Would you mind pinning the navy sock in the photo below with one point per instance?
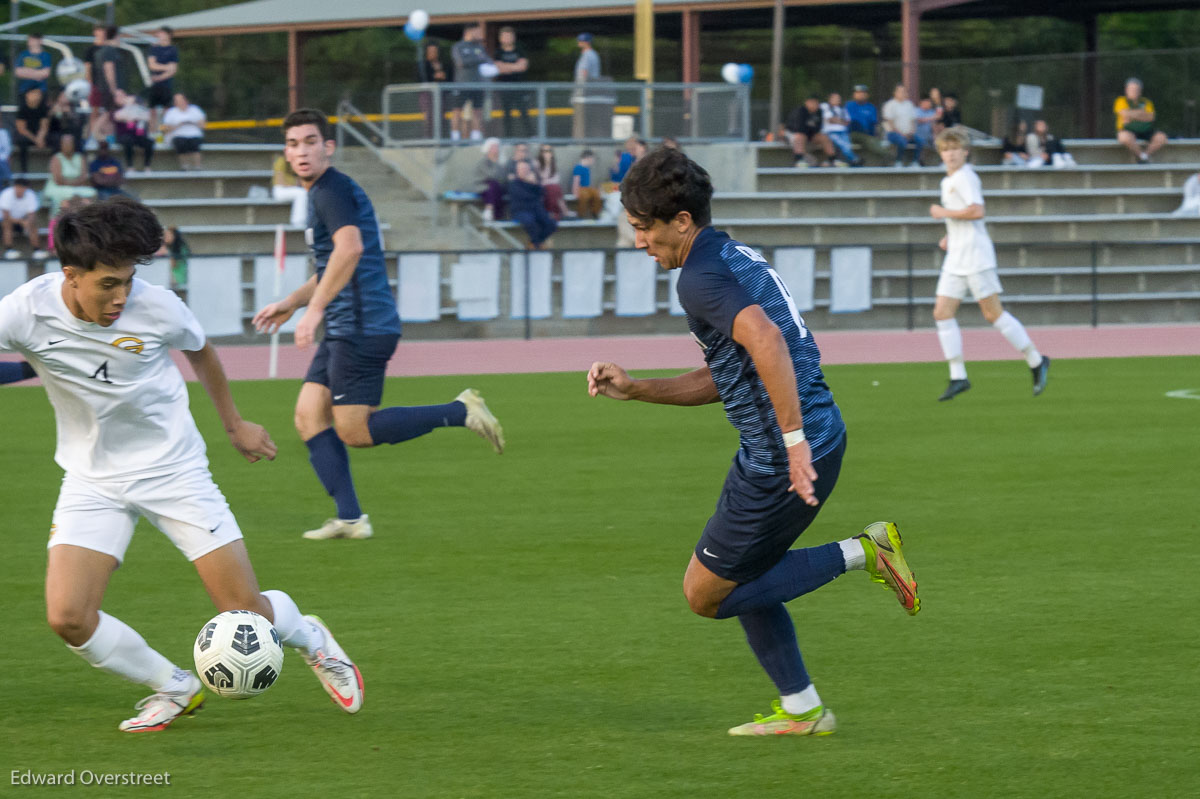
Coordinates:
(329, 460)
(772, 636)
(393, 425)
(12, 371)
(797, 573)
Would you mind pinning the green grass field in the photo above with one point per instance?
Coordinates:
(522, 632)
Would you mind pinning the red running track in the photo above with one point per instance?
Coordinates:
(493, 356)
(503, 356)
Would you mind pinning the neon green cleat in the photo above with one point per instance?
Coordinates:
(886, 564)
(818, 721)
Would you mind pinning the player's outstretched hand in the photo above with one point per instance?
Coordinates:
(609, 380)
(802, 472)
(937, 211)
(272, 317)
(253, 441)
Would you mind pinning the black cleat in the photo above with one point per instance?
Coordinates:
(1040, 372)
(955, 388)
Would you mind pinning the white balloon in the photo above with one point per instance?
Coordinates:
(488, 70)
(419, 20)
(731, 73)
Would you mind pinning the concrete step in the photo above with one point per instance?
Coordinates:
(214, 157)
(992, 177)
(1085, 152)
(900, 230)
(890, 203)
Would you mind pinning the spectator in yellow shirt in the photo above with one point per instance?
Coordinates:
(1135, 122)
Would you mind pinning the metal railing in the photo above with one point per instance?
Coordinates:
(424, 113)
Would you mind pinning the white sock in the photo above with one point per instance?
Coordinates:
(117, 648)
(853, 553)
(293, 630)
(950, 338)
(1014, 331)
(802, 702)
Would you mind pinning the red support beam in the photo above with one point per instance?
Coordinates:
(690, 45)
(910, 26)
(295, 69)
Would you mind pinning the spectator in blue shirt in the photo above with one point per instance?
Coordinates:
(33, 66)
(864, 124)
(587, 196)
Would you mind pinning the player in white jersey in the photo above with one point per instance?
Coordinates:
(99, 338)
(970, 265)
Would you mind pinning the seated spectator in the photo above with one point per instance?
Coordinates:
(900, 125)
(951, 111)
(1014, 145)
(132, 123)
(520, 152)
(937, 103)
(527, 199)
(489, 181)
(5, 153)
(670, 143)
(105, 172)
(1135, 122)
(927, 120)
(64, 120)
(183, 125)
(864, 123)
(68, 177)
(803, 130)
(835, 124)
(634, 149)
(18, 208)
(1191, 198)
(1043, 148)
(547, 171)
(285, 185)
(587, 195)
(32, 124)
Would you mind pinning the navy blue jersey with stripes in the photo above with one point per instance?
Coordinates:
(719, 279)
(365, 305)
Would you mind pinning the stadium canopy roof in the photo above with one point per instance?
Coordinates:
(300, 17)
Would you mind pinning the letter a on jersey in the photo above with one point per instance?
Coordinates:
(101, 373)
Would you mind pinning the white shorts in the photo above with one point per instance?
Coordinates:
(186, 506)
(981, 284)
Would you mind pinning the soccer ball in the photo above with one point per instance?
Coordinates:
(78, 90)
(238, 654)
(69, 69)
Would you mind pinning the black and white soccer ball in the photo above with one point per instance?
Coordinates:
(69, 69)
(238, 654)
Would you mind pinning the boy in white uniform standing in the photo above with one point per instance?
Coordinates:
(100, 338)
(970, 265)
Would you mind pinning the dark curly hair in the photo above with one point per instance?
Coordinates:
(663, 183)
(116, 232)
(307, 116)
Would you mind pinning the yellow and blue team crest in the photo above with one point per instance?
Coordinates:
(130, 344)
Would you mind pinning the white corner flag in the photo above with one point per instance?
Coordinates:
(280, 258)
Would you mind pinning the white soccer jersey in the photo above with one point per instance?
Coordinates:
(969, 249)
(120, 402)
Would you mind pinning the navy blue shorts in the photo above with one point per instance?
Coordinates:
(353, 368)
(757, 519)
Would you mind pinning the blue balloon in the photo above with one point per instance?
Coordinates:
(745, 73)
(413, 33)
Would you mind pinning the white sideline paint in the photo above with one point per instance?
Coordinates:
(1185, 393)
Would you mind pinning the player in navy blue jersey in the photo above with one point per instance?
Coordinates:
(339, 401)
(761, 362)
